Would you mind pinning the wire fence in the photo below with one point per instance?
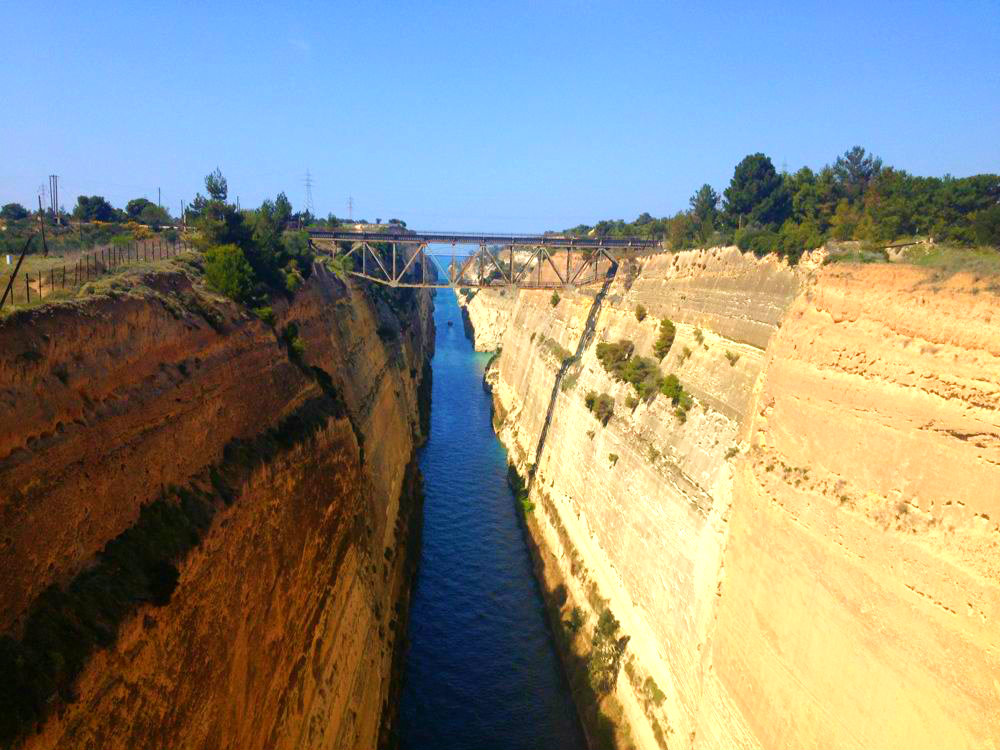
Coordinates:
(35, 284)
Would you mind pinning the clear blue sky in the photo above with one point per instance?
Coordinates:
(492, 116)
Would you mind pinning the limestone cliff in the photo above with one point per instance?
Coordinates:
(257, 481)
(808, 557)
(491, 311)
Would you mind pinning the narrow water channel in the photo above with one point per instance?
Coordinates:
(481, 670)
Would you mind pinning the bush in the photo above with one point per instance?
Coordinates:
(228, 272)
(613, 458)
(671, 388)
(293, 343)
(575, 621)
(666, 339)
(554, 299)
(732, 357)
(640, 372)
(602, 406)
(606, 654)
(640, 313)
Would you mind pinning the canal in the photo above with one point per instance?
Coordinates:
(481, 670)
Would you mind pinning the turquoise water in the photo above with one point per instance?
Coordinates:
(481, 670)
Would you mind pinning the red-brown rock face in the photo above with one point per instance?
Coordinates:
(285, 620)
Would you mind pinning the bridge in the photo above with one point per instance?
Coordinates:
(400, 258)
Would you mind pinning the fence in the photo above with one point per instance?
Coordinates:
(76, 271)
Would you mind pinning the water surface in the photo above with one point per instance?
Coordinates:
(481, 671)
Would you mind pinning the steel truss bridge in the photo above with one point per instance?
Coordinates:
(542, 261)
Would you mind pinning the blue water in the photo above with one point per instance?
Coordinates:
(481, 670)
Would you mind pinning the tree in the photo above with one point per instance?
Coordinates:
(705, 205)
(987, 226)
(855, 170)
(282, 210)
(216, 186)
(153, 216)
(757, 193)
(606, 653)
(135, 207)
(13, 212)
(93, 208)
(228, 272)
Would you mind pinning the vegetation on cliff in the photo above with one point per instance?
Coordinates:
(619, 360)
(601, 405)
(855, 198)
(249, 254)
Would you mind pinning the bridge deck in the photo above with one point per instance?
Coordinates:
(476, 238)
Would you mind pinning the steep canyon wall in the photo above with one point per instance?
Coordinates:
(809, 558)
(269, 471)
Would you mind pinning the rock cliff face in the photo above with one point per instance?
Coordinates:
(810, 557)
(289, 455)
(491, 311)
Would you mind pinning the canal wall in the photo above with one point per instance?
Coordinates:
(807, 555)
(210, 522)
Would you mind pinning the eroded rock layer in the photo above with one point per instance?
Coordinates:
(284, 625)
(808, 557)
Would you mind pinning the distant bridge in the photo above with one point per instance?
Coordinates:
(401, 258)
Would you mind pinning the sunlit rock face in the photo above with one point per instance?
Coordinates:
(284, 627)
(810, 557)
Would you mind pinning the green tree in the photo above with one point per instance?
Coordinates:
(228, 272)
(855, 170)
(135, 207)
(93, 208)
(154, 216)
(987, 226)
(757, 194)
(282, 210)
(606, 653)
(216, 186)
(705, 205)
(845, 221)
(13, 212)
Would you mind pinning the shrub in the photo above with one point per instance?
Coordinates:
(602, 406)
(699, 336)
(662, 345)
(606, 654)
(293, 343)
(229, 273)
(265, 313)
(554, 299)
(653, 692)
(640, 313)
(640, 372)
(733, 358)
(520, 490)
(614, 356)
(575, 621)
(631, 402)
(671, 388)
(613, 458)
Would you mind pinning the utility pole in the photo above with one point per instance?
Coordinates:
(158, 204)
(54, 196)
(350, 208)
